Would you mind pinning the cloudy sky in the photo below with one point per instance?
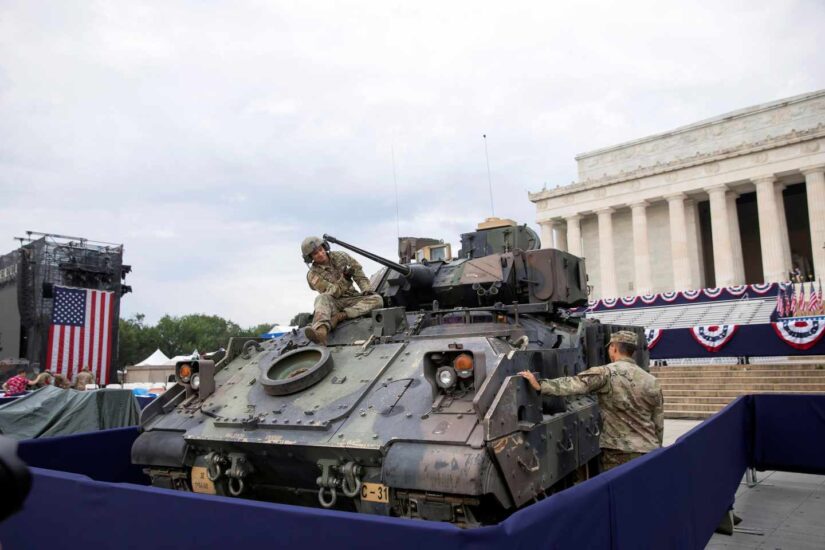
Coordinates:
(210, 137)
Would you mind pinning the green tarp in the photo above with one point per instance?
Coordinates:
(52, 411)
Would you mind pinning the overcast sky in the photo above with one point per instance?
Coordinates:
(211, 137)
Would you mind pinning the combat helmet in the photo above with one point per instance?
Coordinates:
(309, 245)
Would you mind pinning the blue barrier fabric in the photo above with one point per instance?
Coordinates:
(91, 514)
(671, 498)
(789, 433)
(144, 400)
(578, 517)
(749, 341)
(103, 455)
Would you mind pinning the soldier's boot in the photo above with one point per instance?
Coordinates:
(317, 336)
(337, 318)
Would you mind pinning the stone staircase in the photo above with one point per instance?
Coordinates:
(699, 391)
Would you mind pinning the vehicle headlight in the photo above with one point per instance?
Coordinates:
(445, 377)
(185, 372)
(195, 381)
(463, 365)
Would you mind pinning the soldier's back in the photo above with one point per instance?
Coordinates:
(628, 404)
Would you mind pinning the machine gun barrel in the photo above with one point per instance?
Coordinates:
(389, 264)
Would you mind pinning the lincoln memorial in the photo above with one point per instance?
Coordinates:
(736, 199)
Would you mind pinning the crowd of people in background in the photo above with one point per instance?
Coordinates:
(20, 382)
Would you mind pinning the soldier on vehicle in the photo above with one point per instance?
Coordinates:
(332, 275)
(630, 400)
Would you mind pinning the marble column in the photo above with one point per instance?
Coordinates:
(641, 249)
(773, 267)
(561, 236)
(547, 234)
(607, 263)
(735, 239)
(574, 235)
(694, 241)
(678, 241)
(815, 189)
(720, 230)
(784, 238)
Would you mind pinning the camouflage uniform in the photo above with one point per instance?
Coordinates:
(333, 281)
(83, 377)
(631, 403)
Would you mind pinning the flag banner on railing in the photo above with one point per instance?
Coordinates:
(800, 333)
(652, 336)
(713, 337)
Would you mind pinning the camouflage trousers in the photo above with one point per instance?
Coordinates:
(612, 458)
(354, 306)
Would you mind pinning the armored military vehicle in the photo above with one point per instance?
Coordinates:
(413, 411)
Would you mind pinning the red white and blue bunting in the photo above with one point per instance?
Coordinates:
(653, 335)
(713, 337)
(629, 300)
(800, 333)
(713, 293)
(739, 290)
(687, 296)
(764, 288)
(691, 294)
(648, 298)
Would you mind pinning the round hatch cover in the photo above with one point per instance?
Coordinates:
(295, 371)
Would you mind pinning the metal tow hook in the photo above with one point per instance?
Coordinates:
(237, 472)
(328, 483)
(213, 466)
(246, 350)
(565, 445)
(593, 429)
(526, 467)
(351, 483)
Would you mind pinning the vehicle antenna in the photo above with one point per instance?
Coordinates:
(489, 178)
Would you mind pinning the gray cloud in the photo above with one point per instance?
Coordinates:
(211, 137)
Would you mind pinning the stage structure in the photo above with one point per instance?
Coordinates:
(733, 200)
(60, 303)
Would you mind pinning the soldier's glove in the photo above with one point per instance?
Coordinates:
(349, 271)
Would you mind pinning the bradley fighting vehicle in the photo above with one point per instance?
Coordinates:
(411, 411)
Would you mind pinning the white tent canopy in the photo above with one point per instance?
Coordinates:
(174, 360)
(154, 360)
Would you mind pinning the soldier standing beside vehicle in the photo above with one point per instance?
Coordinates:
(332, 275)
(630, 400)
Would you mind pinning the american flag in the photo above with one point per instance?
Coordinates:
(816, 299)
(780, 301)
(81, 332)
(790, 308)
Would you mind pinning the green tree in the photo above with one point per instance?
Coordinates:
(177, 335)
(136, 340)
(257, 330)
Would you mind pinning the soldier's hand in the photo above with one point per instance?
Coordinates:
(349, 271)
(531, 378)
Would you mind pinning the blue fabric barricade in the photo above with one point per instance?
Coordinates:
(671, 498)
(103, 455)
(789, 433)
